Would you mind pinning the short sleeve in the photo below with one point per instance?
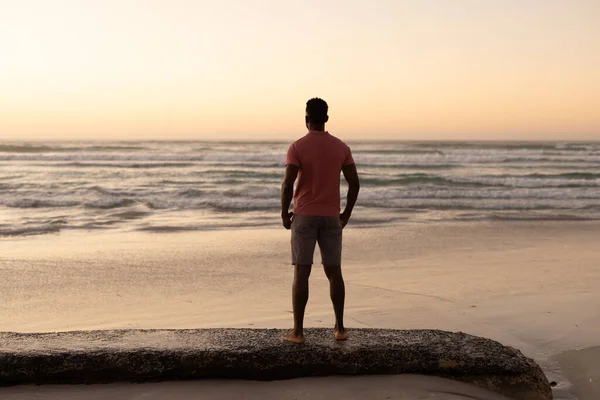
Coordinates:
(348, 160)
(292, 156)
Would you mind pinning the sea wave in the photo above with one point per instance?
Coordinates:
(193, 193)
(538, 217)
(110, 203)
(527, 180)
(128, 159)
(412, 166)
(235, 173)
(126, 165)
(566, 146)
(175, 184)
(445, 204)
(472, 159)
(381, 194)
(256, 196)
(39, 203)
(29, 231)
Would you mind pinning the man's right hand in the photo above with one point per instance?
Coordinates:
(287, 220)
(344, 217)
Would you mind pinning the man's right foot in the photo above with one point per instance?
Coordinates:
(292, 337)
(340, 334)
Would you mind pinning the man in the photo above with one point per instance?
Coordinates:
(316, 160)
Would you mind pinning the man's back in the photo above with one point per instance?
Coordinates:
(320, 158)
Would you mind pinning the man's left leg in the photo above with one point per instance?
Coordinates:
(299, 300)
(304, 239)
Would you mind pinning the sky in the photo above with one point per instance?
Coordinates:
(244, 69)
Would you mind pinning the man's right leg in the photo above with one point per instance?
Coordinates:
(330, 242)
(337, 291)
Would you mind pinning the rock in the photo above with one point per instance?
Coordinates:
(260, 354)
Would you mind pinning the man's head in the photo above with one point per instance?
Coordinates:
(316, 113)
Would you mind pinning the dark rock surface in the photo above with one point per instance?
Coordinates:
(260, 354)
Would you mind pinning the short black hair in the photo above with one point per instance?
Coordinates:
(316, 110)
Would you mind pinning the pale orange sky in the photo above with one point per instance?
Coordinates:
(243, 69)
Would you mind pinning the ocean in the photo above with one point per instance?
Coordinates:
(160, 186)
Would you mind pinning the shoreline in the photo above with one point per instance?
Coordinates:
(374, 222)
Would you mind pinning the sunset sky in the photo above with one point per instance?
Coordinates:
(243, 69)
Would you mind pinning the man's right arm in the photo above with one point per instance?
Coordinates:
(351, 176)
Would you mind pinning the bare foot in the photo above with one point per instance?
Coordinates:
(340, 335)
(293, 338)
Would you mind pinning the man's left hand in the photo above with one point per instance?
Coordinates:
(287, 220)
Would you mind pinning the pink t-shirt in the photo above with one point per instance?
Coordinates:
(320, 157)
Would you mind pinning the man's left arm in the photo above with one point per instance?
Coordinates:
(287, 193)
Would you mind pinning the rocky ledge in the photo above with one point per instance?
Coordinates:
(261, 354)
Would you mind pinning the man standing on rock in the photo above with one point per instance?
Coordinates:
(317, 160)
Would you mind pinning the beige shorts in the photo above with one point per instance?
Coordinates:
(309, 230)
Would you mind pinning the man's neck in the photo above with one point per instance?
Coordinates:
(316, 127)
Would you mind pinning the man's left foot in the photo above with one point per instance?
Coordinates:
(292, 337)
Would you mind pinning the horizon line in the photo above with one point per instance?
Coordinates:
(36, 140)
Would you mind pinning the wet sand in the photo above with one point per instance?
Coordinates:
(531, 285)
(582, 369)
(399, 387)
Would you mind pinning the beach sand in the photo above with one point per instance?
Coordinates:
(399, 387)
(582, 368)
(531, 285)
